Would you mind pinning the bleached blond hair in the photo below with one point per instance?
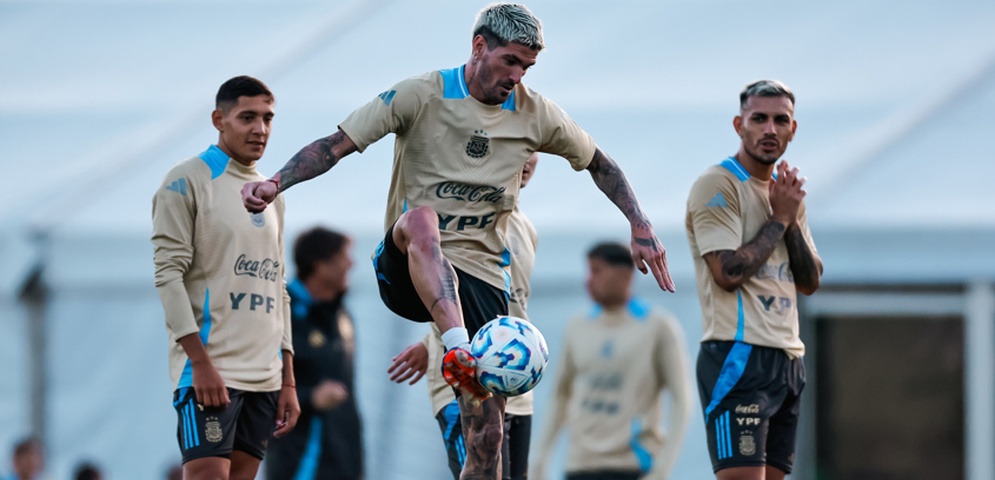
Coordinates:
(503, 23)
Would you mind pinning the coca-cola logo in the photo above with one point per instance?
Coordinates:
(740, 409)
(265, 269)
(469, 193)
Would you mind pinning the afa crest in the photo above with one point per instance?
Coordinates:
(747, 445)
(478, 145)
(212, 430)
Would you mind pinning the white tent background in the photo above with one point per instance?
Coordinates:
(99, 98)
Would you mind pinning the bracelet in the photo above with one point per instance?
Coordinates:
(291, 386)
(275, 182)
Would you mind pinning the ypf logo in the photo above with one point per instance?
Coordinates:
(478, 144)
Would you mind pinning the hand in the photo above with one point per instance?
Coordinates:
(647, 248)
(208, 386)
(328, 395)
(412, 362)
(257, 195)
(786, 194)
(288, 410)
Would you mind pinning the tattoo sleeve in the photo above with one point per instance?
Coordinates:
(745, 261)
(311, 161)
(806, 267)
(610, 180)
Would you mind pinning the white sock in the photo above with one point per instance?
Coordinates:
(456, 337)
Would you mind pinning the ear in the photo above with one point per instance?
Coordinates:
(737, 123)
(216, 117)
(478, 46)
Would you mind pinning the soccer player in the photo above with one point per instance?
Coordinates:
(614, 365)
(413, 362)
(752, 249)
(219, 272)
(462, 136)
(328, 443)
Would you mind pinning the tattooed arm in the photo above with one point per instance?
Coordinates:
(731, 268)
(645, 246)
(313, 160)
(806, 266)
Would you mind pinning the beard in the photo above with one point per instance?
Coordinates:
(764, 158)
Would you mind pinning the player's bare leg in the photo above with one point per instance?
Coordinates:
(743, 473)
(243, 466)
(483, 433)
(774, 473)
(416, 234)
(208, 468)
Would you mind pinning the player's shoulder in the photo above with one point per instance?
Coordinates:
(716, 177)
(206, 166)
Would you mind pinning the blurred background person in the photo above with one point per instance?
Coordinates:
(28, 460)
(328, 442)
(614, 364)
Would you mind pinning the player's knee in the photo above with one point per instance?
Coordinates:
(419, 228)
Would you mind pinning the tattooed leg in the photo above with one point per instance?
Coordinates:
(416, 233)
(483, 433)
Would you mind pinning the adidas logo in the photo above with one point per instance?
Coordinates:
(387, 96)
(178, 186)
(717, 201)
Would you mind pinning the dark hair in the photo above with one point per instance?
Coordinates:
(316, 245)
(87, 471)
(240, 86)
(612, 253)
(765, 88)
(26, 445)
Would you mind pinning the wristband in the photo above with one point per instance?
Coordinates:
(275, 182)
(291, 386)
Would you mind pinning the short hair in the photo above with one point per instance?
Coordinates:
(27, 445)
(502, 23)
(612, 253)
(316, 245)
(240, 86)
(765, 88)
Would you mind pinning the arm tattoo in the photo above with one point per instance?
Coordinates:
(311, 161)
(805, 266)
(610, 179)
(746, 260)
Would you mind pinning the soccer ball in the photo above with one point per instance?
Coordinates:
(511, 355)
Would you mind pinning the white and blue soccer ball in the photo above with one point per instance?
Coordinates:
(511, 355)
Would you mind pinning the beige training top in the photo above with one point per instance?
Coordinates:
(726, 208)
(464, 159)
(219, 272)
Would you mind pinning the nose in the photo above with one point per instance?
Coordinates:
(260, 127)
(516, 75)
(769, 128)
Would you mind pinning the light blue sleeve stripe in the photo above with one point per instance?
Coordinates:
(308, 468)
(740, 317)
(642, 454)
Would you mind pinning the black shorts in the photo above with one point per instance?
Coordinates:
(481, 302)
(244, 425)
(514, 448)
(751, 398)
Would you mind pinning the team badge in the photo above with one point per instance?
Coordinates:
(212, 430)
(316, 339)
(258, 219)
(478, 144)
(747, 446)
